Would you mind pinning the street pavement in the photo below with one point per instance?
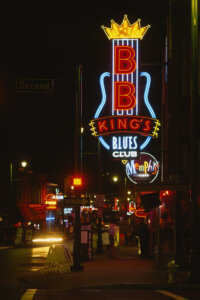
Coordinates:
(127, 276)
(99, 294)
(127, 270)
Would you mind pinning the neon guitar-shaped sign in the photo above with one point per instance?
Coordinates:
(125, 132)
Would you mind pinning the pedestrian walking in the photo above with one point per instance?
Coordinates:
(112, 240)
(143, 234)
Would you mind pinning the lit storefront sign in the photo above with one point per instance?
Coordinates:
(131, 207)
(37, 207)
(119, 122)
(116, 205)
(68, 210)
(141, 213)
(50, 202)
(58, 197)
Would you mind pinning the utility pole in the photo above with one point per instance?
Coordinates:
(194, 274)
(11, 191)
(78, 171)
(125, 197)
(99, 249)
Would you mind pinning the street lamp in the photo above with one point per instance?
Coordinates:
(115, 178)
(24, 164)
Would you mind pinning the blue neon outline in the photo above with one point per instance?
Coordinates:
(104, 143)
(103, 101)
(146, 101)
(146, 93)
(145, 143)
(103, 92)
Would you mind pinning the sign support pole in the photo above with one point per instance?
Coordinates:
(99, 240)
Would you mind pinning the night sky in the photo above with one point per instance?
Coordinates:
(50, 42)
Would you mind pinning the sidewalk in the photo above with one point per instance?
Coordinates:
(5, 247)
(127, 270)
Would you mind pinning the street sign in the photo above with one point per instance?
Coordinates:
(100, 213)
(77, 201)
(34, 85)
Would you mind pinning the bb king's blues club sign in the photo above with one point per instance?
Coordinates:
(125, 121)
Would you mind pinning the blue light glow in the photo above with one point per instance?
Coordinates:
(50, 218)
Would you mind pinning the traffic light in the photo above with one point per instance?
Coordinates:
(77, 185)
(73, 185)
(77, 182)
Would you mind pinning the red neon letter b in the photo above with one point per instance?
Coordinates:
(124, 97)
(124, 60)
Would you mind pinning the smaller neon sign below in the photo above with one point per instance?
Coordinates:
(143, 169)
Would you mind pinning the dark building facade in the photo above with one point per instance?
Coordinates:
(180, 135)
(174, 225)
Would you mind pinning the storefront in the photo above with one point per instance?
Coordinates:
(168, 223)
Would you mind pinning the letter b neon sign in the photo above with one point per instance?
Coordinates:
(124, 90)
(124, 60)
(124, 95)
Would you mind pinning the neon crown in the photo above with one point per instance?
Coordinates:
(125, 30)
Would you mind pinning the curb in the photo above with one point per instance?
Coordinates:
(124, 286)
(143, 286)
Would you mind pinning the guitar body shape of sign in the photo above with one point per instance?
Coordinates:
(122, 129)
